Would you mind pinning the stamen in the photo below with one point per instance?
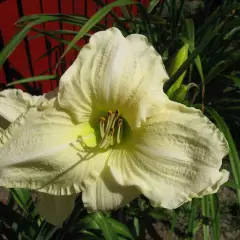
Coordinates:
(107, 130)
(115, 117)
(109, 120)
(112, 136)
(120, 130)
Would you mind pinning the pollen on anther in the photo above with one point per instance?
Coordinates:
(110, 129)
(102, 119)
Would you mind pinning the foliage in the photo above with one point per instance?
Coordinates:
(207, 77)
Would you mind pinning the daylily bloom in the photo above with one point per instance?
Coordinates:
(109, 132)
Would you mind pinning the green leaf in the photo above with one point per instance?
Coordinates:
(218, 13)
(234, 78)
(197, 60)
(193, 55)
(71, 19)
(193, 216)
(61, 40)
(215, 215)
(98, 16)
(179, 95)
(232, 32)
(206, 215)
(220, 67)
(176, 63)
(46, 231)
(87, 223)
(61, 32)
(117, 22)
(87, 235)
(22, 197)
(190, 31)
(231, 185)
(48, 53)
(107, 229)
(233, 154)
(173, 224)
(39, 19)
(33, 79)
(161, 213)
(146, 23)
(109, 226)
(129, 17)
(120, 228)
(136, 225)
(152, 5)
(126, 12)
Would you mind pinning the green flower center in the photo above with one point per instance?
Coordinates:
(111, 129)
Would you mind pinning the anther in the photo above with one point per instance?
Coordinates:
(109, 113)
(107, 129)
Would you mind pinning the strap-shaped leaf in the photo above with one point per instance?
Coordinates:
(233, 154)
(33, 79)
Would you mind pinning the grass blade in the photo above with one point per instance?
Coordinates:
(45, 33)
(193, 55)
(231, 185)
(215, 215)
(120, 228)
(192, 219)
(152, 5)
(33, 79)
(176, 63)
(205, 215)
(104, 225)
(233, 154)
(22, 197)
(71, 19)
(217, 14)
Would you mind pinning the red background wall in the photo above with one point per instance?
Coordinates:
(24, 62)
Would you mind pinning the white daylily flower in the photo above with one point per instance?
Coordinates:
(110, 132)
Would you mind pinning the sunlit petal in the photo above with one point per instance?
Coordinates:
(46, 151)
(14, 102)
(173, 157)
(113, 72)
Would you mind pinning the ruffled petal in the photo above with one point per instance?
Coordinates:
(55, 209)
(46, 151)
(106, 194)
(173, 157)
(14, 102)
(113, 72)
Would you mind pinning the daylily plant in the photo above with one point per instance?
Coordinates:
(110, 132)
